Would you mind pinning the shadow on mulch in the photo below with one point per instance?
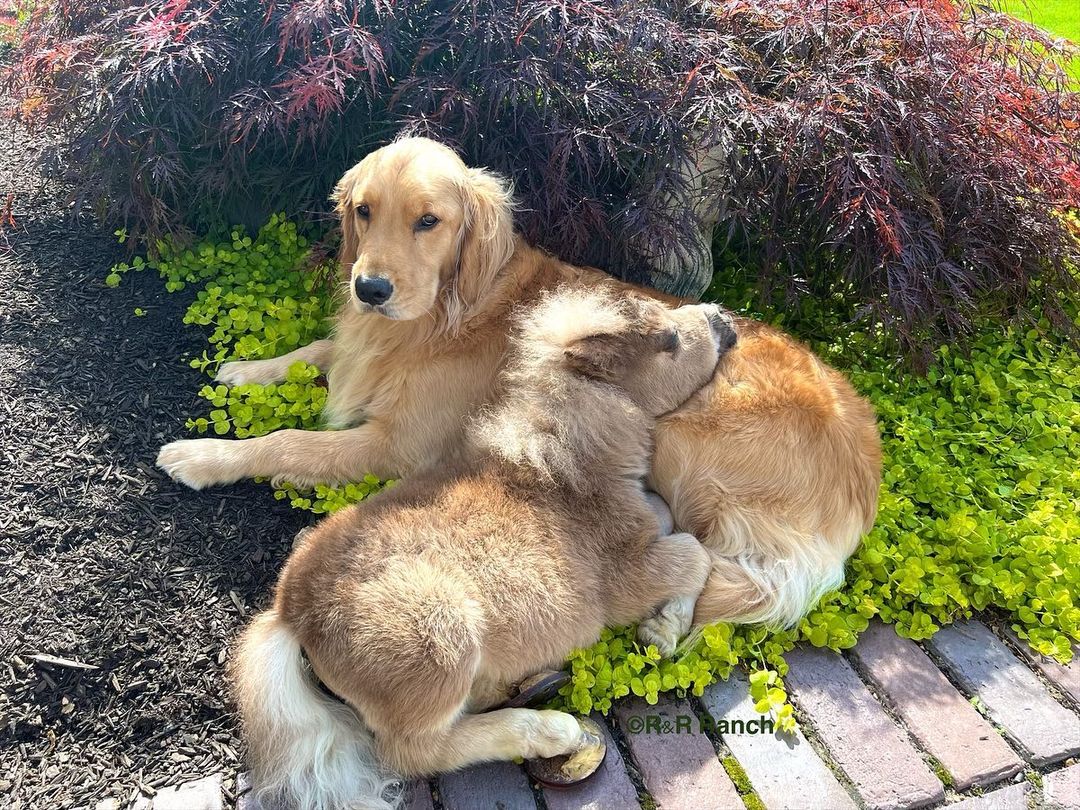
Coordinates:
(103, 560)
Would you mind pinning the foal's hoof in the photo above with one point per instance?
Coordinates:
(537, 689)
(569, 769)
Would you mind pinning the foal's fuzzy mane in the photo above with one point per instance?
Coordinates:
(555, 424)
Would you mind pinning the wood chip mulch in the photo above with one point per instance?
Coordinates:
(120, 591)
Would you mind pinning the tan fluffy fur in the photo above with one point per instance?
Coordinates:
(422, 606)
(775, 467)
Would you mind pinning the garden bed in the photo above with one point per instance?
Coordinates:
(114, 568)
(103, 560)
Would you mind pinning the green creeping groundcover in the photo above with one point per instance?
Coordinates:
(980, 503)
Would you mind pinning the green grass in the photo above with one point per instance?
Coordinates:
(1060, 17)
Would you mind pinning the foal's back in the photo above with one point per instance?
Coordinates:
(533, 563)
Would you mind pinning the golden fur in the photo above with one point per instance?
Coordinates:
(422, 606)
(775, 467)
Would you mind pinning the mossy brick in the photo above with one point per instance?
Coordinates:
(784, 770)
(677, 762)
(1065, 677)
(1013, 696)
(1061, 789)
(871, 750)
(491, 786)
(417, 796)
(935, 713)
(1013, 797)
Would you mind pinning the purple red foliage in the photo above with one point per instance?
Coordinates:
(922, 156)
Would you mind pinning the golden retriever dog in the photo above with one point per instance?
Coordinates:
(421, 606)
(774, 466)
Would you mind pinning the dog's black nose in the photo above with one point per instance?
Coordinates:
(723, 327)
(373, 291)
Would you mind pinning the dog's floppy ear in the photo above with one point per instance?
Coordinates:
(601, 357)
(342, 197)
(487, 239)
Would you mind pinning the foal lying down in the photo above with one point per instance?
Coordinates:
(421, 607)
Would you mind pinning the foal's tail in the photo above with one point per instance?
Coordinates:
(307, 750)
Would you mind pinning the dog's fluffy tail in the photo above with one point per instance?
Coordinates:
(307, 750)
(778, 592)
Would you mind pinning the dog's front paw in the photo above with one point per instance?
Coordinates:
(240, 372)
(668, 625)
(298, 481)
(199, 463)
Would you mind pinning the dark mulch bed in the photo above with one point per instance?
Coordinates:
(103, 559)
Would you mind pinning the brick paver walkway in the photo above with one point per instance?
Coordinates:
(970, 720)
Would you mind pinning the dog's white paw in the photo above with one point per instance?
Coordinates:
(199, 463)
(668, 625)
(240, 372)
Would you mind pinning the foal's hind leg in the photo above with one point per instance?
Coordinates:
(676, 569)
(486, 693)
(503, 734)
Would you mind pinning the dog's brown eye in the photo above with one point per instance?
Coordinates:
(427, 221)
(670, 341)
(363, 211)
